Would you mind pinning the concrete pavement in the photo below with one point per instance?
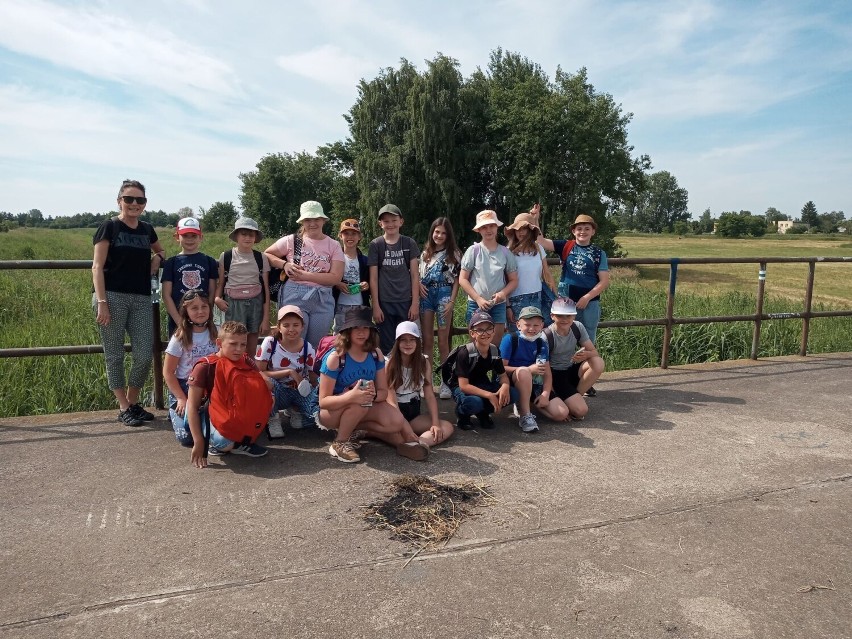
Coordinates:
(700, 501)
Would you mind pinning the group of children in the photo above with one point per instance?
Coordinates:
(370, 378)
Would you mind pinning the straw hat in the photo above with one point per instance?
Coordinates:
(522, 220)
(585, 219)
(486, 217)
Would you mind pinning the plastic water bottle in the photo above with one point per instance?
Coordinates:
(155, 289)
(539, 379)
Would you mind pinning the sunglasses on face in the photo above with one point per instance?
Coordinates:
(130, 199)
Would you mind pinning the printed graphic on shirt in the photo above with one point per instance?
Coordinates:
(315, 262)
(132, 240)
(352, 273)
(394, 257)
(190, 279)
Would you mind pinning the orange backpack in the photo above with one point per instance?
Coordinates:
(239, 400)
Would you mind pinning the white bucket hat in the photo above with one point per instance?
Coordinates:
(311, 210)
(483, 218)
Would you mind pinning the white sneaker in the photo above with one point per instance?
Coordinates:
(276, 431)
(296, 420)
(529, 423)
(445, 392)
(515, 410)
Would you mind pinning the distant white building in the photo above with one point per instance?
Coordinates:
(784, 225)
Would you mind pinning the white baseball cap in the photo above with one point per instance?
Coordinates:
(408, 328)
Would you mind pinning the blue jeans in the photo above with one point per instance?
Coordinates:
(473, 404)
(590, 317)
(286, 397)
(179, 423)
(497, 312)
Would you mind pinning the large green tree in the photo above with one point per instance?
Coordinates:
(810, 215)
(219, 217)
(659, 205)
(507, 137)
(273, 192)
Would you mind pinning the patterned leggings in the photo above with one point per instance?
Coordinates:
(130, 313)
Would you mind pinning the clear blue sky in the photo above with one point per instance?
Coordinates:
(747, 103)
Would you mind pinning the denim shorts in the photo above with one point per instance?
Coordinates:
(497, 312)
(436, 300)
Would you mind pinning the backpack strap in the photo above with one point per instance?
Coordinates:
(297, 248)
(515, 339)
(229, 256)
(566, 250)
(305, 369)
(576, 330)
(551, 340)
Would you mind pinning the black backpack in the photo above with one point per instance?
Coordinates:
(448, 366)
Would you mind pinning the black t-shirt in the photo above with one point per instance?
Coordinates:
(128, 263)
(478, 375)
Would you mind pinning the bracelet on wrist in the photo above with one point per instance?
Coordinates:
(102, 301)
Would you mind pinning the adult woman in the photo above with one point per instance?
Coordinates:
(121, 273)
(313, 263)
(532, 268)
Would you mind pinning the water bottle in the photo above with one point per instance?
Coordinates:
(539, 379)
(155, 290)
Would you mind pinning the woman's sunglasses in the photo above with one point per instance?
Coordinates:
(129, 199)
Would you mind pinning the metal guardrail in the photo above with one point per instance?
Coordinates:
(668, 321)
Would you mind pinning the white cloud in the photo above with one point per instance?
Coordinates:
(118, 49)
(330, 65)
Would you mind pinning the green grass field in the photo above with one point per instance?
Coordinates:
(53, 308)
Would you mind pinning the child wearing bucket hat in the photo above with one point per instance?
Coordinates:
(489, 273)
(353, 392)
(288, 359)
(585, 272)
(242, 290)
(313, 264)
(533, 272)
(409, 372)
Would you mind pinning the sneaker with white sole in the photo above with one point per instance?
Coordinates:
(274, 427)
(215, 452)
(529, 423)
(344, 451)
(444, 392)
(413, 450)
(249, 450)
(296, 420)
(515, 410)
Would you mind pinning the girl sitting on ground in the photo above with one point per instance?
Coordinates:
(287, 359)
(194, 338)
(409, 373)
(353, 392)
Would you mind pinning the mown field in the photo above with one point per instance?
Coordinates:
(53, 308)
